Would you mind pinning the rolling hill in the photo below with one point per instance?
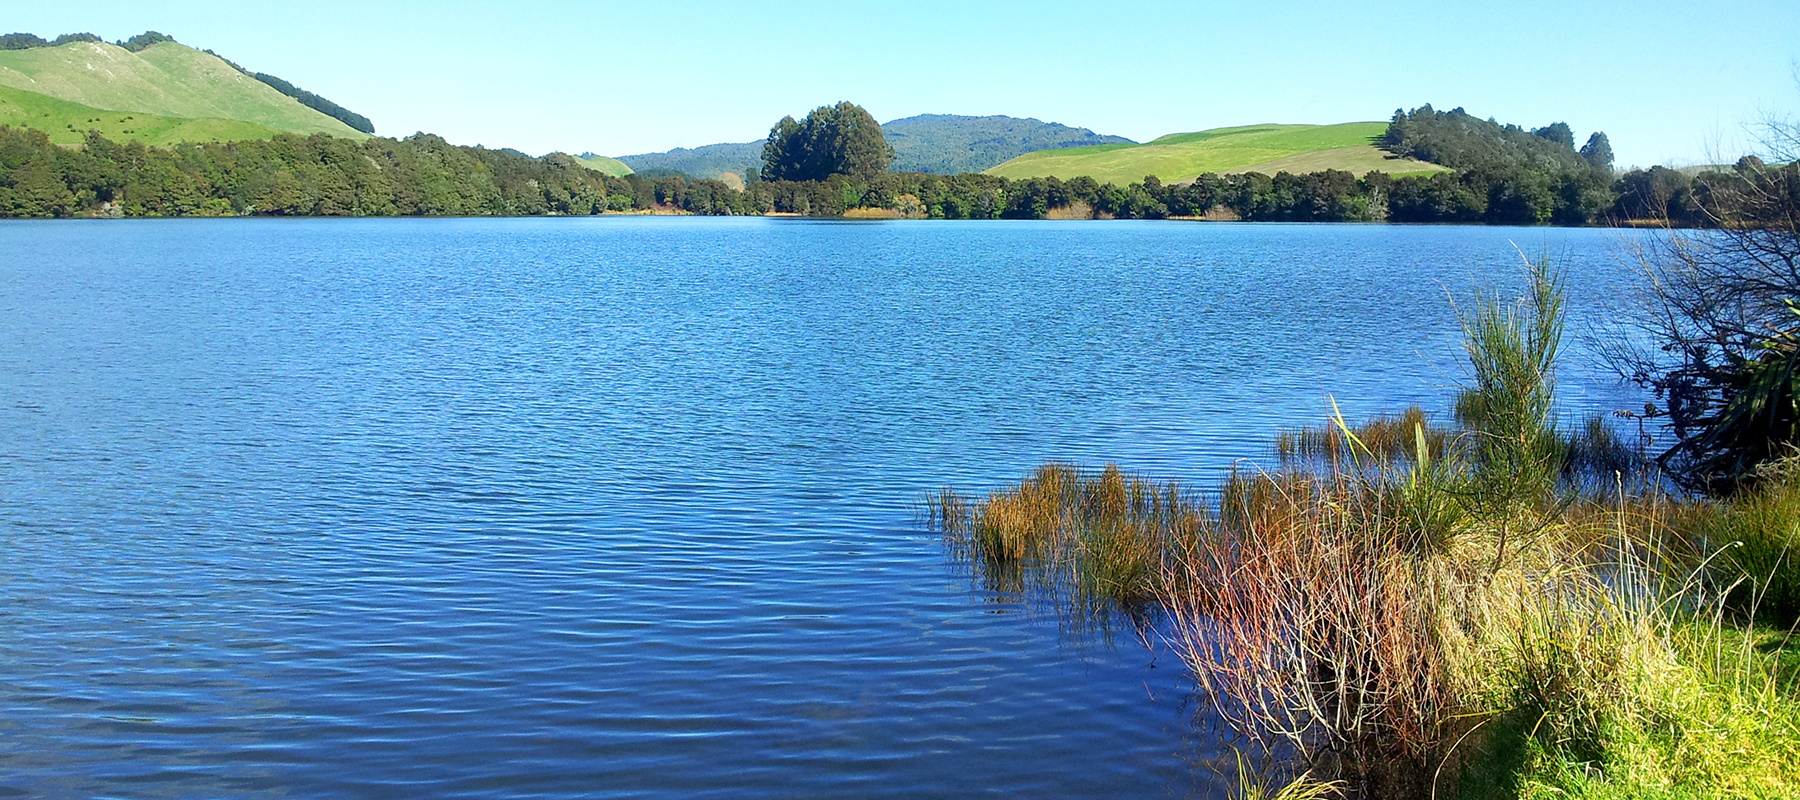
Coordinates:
(168, 80)
(68, 123)
(943, 144)
(1251, 148)
(603, 164)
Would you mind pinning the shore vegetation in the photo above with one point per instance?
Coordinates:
(1491, 605)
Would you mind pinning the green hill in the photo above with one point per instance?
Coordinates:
(1252, 148)
(166, 79)
(603, 164)
(68, 123)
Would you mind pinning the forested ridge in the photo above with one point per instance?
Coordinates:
(1504, 174)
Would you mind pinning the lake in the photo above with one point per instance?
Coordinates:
(628, 507)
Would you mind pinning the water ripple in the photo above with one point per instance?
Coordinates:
(625, 507)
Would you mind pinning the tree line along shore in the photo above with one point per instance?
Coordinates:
(834, 163)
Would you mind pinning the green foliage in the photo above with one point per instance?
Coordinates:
(1460, 141)
(145, 40)
(1756, 538)
(1717, 334)
(1325, 196)
(289, 175)
(1598, 152)
(1557, 133)
(27, 41)
(1657, 193)
(1704, 711)
(1504, 173)
(832, 140)
(1758, 416)
(1512, 350)
(22, 41)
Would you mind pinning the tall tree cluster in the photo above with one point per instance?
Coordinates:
(833, 140)
(1503, 173)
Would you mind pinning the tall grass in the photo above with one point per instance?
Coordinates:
(1093, 541)
(1758, 536)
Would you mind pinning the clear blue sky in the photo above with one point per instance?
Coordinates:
(1670, 82)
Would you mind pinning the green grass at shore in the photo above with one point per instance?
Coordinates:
(68, 123)
(1184, 156)
(167, 80)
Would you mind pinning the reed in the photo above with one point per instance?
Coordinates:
(1095, 541)
(1386, 437)
(1757, 535)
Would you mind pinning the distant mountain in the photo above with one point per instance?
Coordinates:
(944, 144)
(947, 144)
(708, 161)
(153, 75)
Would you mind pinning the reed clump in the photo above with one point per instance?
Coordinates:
(1384, 437)
(1491, 607)
(1093, 540)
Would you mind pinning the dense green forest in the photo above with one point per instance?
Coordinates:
(1504, 175)
(28, 41)
(293, 176)
(832, 140)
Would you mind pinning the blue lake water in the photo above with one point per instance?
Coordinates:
(627, 507)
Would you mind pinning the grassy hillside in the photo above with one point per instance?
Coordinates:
(603, 164)
(948, 144)
(167, 79)
(1358, 159)
(68, 123)
(1184, 156)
